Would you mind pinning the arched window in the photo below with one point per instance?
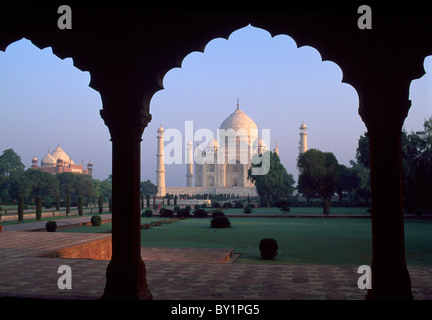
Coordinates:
(235, 182)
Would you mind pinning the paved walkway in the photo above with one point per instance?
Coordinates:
(176, 274)
(37, 278)
(61, 223)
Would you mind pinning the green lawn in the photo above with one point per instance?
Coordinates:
(301, 210)
(300, 240)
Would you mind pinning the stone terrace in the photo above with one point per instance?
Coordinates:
(29, 263)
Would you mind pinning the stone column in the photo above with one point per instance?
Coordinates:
(390, 278)
(387, 107)
(126, 272)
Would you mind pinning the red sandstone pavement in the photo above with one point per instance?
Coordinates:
(177, 274)
(37, 278)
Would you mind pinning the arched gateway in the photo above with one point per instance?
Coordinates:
(128, 51)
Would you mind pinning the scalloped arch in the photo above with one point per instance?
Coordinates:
(226, 35)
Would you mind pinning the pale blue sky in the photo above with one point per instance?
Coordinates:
(45, 101)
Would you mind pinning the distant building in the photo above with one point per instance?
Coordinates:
(59, 161)
(213, 176)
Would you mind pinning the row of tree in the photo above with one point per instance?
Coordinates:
(31, 183)
(321, 176)
(416, 154)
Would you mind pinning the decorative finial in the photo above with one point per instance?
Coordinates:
(237, 103)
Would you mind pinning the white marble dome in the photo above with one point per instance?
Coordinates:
(238, 120)
(48, 161)
(242, 124)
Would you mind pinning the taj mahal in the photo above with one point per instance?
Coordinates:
(221, 167)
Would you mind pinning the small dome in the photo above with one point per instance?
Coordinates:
(259, 145)
(213, 143)
(303, 126)
(48, 161)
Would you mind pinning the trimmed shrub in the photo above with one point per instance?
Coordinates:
(247, 209)
(197, 206)
(38, 207)
(227, 205)
(147, 213)
(268, 248)
(100, 203)
(216, 205)
(220, 222)
(283, 205)
(148, 200)
(80, 206)
(96, 221)
(218, 214)
(238, 205)
(51, 226)
(166, 213)
(68, 204)
(176, 209)
(183, 213)
(58, 200)
(188, 208)
(200, 213)
(20, 208)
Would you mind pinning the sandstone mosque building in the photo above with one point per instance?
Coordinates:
(59, 161)
(225, 169)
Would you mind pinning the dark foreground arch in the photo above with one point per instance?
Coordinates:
(128, 50)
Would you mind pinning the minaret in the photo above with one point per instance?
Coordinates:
(34, 163)
(276, 149)
(160, 170)
(189, 165)
(303, 139)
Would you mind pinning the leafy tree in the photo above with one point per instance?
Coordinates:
(319, 175)
(19, 184)
(42, 184)
(9, 162)
(75, 184)
(362, 152)
(348, 180)
(363, 188)
(102, 188)
(276, 183)
(147, 187)
(4, 189)
(417, 168)
(416, 156)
